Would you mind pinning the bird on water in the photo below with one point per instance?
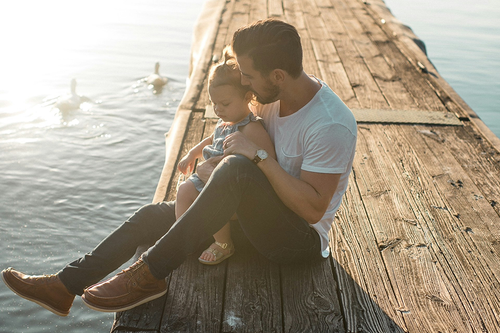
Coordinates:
(71, 101)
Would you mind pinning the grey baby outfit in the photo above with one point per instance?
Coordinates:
(215, 149)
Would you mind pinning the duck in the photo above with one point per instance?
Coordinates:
(71, 101)
(155, 79)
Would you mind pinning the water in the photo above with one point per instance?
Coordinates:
(69, 178)
(463, 42)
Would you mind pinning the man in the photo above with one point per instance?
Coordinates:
(285, 207)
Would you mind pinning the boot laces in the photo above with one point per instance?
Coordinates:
(135, 266)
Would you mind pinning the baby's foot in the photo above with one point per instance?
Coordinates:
(216, 253)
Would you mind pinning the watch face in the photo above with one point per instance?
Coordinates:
(262, 154)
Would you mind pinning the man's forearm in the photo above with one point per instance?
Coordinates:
(299, 195)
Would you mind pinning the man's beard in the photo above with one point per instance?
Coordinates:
(271, 92)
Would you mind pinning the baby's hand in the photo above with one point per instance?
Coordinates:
(186, 164)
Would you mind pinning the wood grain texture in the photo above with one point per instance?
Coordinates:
(411, 77)
(310, 299)
(385, 76)
(258, 10)
(191, 138)
(368, 299)
(362, 82)
(421, 287)
(253, 296)
(194, 302)
(146, 316)
(275, 9)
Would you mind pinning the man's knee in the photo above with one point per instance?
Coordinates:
(153, 213)
(235, 162)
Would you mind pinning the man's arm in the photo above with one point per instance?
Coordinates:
(308, 196)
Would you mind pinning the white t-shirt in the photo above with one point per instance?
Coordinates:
(320, 137)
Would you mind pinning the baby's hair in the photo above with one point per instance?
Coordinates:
(226, 72)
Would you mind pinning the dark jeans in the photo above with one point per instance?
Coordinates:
(236, 186)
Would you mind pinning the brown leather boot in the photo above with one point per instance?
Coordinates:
(45, 290)
(126, 290)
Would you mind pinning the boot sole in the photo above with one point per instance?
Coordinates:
(124, 307)
(34, 300)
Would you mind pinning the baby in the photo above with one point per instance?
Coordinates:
(230, 100)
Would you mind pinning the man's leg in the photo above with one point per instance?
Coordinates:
(56, 292)
(236, 186)
(145, 226)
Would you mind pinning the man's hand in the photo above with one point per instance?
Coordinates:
(204, 170)
(238, 143)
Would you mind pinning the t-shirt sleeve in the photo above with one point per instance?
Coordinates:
(329, 149)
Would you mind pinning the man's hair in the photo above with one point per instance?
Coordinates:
(271, 44)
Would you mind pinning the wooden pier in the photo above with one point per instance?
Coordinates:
(416, 243)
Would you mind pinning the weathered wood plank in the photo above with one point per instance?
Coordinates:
(411, 78)
(253, 298)
(322, 4)
(194, 301)
(414, 249)
(368, 300)
(333, 73)
(146, 316)
(320, 57)
(427, 302)
(191, 138)
(294, 16)
(477, 157)
(384, 75)
(258, 10)
(310, 299)
(235, 15)
(275, 9)
(240, 17)
(135, 331)
(471, 226)
(309, 7)
(365, 88)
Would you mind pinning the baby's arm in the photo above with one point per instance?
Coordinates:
(186, 164)
(258, 135)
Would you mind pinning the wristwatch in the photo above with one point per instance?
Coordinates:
(260, 155)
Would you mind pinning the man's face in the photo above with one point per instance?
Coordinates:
(264, 89)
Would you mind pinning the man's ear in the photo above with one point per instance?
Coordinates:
(278, 75)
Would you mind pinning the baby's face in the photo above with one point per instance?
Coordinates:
(228, 103)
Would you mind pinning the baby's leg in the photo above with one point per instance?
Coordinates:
(217, 253)
(224, 235)
(186, 195)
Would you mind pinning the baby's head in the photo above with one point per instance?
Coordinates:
(229, 97)
(226, 72)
